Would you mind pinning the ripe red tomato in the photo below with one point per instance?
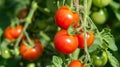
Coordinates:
(89, 39)
(31, 53)
(22, 13)
(64, 17)
(11, 33)
(65, 43)
(76, 63)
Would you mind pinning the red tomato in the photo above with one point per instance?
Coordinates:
(64, 17)
(89, 39)
(65, 43)
(11, 33)
(22, 13)
(76, 63)
(32, 53)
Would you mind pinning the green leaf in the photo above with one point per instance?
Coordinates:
(117, 14)
(1, 32)
(109, 39)
(113, 61)
(57, 61)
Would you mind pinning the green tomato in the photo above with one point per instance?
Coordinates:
(99, 17)
(31, 65)
(101, 3)
(99, 58)
(5, 53)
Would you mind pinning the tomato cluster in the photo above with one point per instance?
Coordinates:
(67, 43)
(29, 48)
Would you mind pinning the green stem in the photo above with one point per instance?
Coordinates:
(89, 4)
(58, 3)
(63, 2)
(84, 28)
(71, 4)
(76, 54)
(45, 36)
(29, 40)
(28, 21)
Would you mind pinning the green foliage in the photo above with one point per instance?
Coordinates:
(113, 61)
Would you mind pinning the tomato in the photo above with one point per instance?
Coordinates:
(5, 53)
(22, 13)
(99, 17)
(75, 63)
(11, 33)
(31, 65)
(64, 17)
(99, 58)
(89, 39)
(31, 53)
(101, 3)
(64, 42)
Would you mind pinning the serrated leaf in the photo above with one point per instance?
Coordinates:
(113, 61)
(57, 61)
(109, 39)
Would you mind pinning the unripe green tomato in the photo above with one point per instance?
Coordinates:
(99, 58)
(99, 17)
(101, 3)
(5, 53)
(31, 65)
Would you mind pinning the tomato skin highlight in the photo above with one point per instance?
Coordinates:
(32, 53)
(65, 43)
(89, 39)
(11, 33)
(76, 63)
(64, 17)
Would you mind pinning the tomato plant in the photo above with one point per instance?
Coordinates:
(76, 63)
(99, 58)
(101, 3)
(64, 17)
(65, 43)
(89, 39)
(11, 33)
(64, 28)
(31, 53)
